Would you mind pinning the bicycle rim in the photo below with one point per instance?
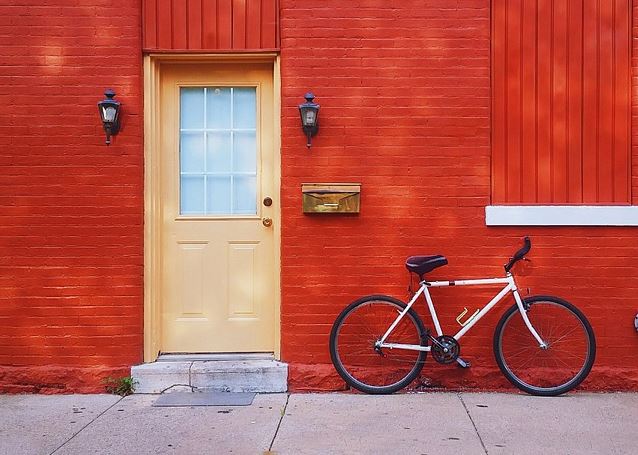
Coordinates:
(353, 345)
(563, 364)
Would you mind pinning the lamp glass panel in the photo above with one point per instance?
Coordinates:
(108, 114)
(310, 117)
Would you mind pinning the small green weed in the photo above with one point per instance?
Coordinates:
(120, 386)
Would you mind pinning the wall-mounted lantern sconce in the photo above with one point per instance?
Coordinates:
(110, 114)
(309, 112)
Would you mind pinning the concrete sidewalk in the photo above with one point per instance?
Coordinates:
(425, 423)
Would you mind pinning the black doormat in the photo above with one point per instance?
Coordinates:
(177, 399)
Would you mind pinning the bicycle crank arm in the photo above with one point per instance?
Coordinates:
(434, 341)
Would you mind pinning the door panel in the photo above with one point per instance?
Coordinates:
(218, 273)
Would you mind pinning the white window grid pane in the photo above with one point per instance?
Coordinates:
(232, 174)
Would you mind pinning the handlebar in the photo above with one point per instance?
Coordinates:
(520, 254)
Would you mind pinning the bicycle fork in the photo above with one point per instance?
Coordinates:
(523, 311)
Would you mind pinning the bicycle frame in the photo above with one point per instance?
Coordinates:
(510, 286)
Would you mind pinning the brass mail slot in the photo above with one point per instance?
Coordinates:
(331, 197)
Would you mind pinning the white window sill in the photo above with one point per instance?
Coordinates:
(561, 215)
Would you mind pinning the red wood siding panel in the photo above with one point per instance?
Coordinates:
(561, 102)
(150, 24)
(210, 25)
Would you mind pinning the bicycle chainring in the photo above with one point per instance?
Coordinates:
(447, 350)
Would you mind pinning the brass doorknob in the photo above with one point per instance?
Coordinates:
(267, 222)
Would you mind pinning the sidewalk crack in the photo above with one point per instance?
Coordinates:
(85, 426)
(190, 377)
(467, 411)
(283, 413)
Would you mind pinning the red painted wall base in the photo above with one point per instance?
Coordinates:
(51, 380)
(309, 377)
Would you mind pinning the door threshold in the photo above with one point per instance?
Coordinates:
(240, 372)
(206, 357)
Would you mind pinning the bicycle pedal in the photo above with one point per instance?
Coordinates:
(463, 363)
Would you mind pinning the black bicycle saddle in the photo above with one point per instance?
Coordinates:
(424, 264)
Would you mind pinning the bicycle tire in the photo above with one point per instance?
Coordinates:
(352, 339)
(545, 372)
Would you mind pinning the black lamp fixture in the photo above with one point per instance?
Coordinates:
(110, 114)
(309, 112)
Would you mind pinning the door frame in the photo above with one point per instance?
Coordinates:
(152, 186)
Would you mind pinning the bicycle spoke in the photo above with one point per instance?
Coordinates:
(554, 341)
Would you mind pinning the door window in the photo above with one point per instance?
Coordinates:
(218, 151)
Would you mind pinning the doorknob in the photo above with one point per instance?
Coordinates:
(267, 222)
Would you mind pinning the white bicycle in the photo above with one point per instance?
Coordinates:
(543, 345)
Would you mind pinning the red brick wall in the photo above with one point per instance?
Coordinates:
(71, 208)
(404, 89)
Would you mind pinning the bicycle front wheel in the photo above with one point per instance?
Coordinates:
(550, 371)
(352, 345)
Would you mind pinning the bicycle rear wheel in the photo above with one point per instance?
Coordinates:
(565, 362)
(352, 345)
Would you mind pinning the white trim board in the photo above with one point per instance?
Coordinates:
(561, 215)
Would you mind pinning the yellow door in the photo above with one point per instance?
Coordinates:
(219, 208)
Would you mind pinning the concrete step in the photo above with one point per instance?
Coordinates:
(223, 373)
